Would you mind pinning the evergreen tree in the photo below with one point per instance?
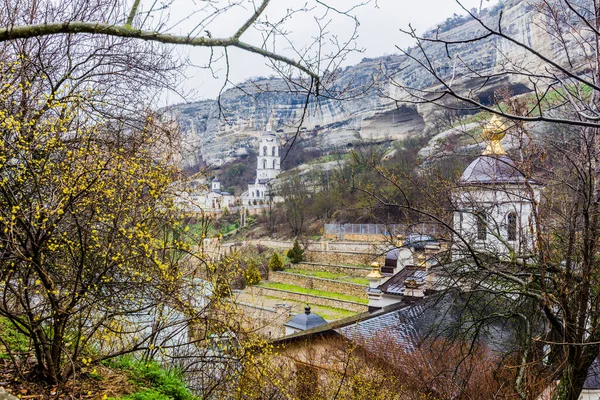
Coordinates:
(296, 253)
(251, 274)
(275, 263)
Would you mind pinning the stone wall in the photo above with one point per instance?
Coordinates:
(326, 245)
(358, 272)
(327, 285)
(342, 257)
(363, 237)
(267, 321)
(310, 299)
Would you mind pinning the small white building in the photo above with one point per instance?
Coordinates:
(196, 198)
(267, 169)
(494, 212)
(494, 205)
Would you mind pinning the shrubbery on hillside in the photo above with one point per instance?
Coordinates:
(275, 263)
(296, 253)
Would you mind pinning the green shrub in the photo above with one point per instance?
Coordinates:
(148, 394)
(154, 381)
(15, 340)
(252, 274)
(296, 253)
(275, 263)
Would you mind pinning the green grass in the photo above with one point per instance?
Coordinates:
(153, 381)
(15, 340)
(329, 313)
(314, 292)
(329, 275)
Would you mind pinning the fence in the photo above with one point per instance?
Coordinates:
(363, 229)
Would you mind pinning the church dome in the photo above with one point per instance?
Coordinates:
(493, 166)
(492, 169)
(306, 321)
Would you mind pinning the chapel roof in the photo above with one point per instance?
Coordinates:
(492, 169)
(493, 166)
(306, 321)
(592, 381)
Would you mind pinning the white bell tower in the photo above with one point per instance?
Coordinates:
(268, 159)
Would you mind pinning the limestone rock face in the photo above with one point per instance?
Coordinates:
(221, 133)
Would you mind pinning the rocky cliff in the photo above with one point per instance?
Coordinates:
(223, 133)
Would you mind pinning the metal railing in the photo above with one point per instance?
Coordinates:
(363, 229)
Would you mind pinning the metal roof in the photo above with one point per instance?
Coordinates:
(593, 376)
(306, 321)
(395, 285)
(492, 169)
(400, 325)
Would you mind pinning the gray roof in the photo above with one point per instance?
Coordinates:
(419, 242)
(392, 254)
(306, 321)
(398, 324)
(593, 376)
(395, 285)
(431, 317)
(492, 169)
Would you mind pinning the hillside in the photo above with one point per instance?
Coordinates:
(364, 114)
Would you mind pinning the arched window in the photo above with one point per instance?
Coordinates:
(481, 226)
(273, 164)
(258, 193)
(265, 151)
(264, 164)
(273, 151)
(511, 226)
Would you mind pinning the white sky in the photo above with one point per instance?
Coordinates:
(378, 35)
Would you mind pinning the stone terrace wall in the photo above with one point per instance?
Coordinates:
(267, 321)
(309, 299)
(359, 247)
(363, 237)
(358, 272)
(327, 285)
(344, 258)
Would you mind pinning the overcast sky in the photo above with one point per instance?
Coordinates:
(378, 35)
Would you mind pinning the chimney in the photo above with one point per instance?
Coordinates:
(374, 293)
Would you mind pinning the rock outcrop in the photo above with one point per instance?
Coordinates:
(221, 132)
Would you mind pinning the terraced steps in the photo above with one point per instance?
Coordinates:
(311, 296)
(329, 276)
(250, 296)
(342, 270)
(357, 290)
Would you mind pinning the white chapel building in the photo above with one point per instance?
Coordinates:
(494, 203)
(267, 169)
(494, 212)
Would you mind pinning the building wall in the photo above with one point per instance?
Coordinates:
(496, 203)
(590, 395)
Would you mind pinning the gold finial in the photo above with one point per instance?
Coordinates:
(420, 259)
(375, 273)
(494, 131)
